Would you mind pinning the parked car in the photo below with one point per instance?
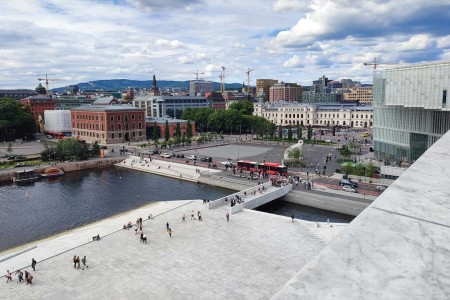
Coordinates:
(180, 155)
(207, 159)
(151, 152)
(192, 157)
(166, 155)
(173, 154)
(347, 188)
(381, 188)
(348, 183)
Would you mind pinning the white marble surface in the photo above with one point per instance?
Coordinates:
(398, 248)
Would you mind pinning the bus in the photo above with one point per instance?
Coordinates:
(247, 165)
(57, 135)
(273, 168)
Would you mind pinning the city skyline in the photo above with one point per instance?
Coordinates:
(289, 40)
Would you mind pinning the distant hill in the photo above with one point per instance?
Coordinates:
(122, 84)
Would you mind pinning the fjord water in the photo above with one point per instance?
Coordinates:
(47, 207)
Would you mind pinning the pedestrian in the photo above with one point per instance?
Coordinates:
(142, 237)
(74, 261)
(170, 232)
(184, 218)
(199, 216)
(192, 215)
(8, 276)
(167, 226)
(135, 229)
(33, 264)
(293, 217)
(228, 217)
(28, 277)
(78, 262)
(84, 261)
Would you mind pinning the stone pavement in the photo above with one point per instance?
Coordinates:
(250, 257)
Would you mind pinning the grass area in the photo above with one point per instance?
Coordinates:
(9, 164)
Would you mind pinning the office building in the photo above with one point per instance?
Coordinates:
(289, 92)
(411, 109)
(263, 86)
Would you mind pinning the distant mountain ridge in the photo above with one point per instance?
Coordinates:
(122, 84)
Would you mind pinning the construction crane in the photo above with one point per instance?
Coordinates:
(47, 80)
(375, 64)
(248, 81)
(222, 83)
(198, 73)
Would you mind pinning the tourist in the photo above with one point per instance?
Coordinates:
(167, 226)
(28, 278)
(84, 261)
(199, 216)
(170, 232)
(135, 229)
(74, 261)
(293, 217)
(183, 218)
(144, 238)
(97, 237)
(19, 275)
(228, 216)
(33, 264)
(8, 276)
(192, 215)
(78, 262)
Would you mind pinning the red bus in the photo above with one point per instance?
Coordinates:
(57, 135)
(247, 165)
(273, 168)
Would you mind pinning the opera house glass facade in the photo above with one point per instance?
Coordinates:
(411, 109)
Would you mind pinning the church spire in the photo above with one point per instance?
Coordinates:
(154, 91)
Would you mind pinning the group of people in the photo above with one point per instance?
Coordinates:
(76, 262)
(22, 276)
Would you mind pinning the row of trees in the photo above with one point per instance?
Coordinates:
(16, 121)
(69, 150)
(237, 119)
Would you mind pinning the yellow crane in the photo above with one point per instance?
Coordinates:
(248, 81)
(49, 79)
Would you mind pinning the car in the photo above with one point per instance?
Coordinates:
(166, 155)
(207, 159)
(49, 136)
(365, 134)
(348, 183)
(347, 188)
(20, 165)
(180, 155)
(381, 188)
(192, 157)
(173, 154)
(151, 152)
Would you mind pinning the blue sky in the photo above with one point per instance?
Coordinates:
(289, 40)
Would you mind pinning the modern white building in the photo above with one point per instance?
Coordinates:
(411, 109)
(283, 113)
(57, 120)
(173, 106)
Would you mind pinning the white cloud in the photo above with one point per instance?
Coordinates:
(155, 5)
(238, 45)
(192, 59)
(174, 44)
(416, 42)
(293, 62)
(443, 42)
(286, 5)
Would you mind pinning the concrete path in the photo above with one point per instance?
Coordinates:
(250, 257)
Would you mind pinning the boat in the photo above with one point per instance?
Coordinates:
(52, 172)
(25, 176)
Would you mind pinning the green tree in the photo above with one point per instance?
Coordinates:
(243, 106)
(347, 168)
(359, 169)
(16, 121)
(344, 151)
(95, 148)
(166, 131)
(309, 132)
(9, 149)
(189, 129)
(188, 140)
(289, 133)
(299, 132)
(155, 132)
(370, 169)
(178, 130)
(280, 133)
(294, 156)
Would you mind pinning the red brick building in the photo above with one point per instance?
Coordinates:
(40, 103)
(108, 124)
(161, 124)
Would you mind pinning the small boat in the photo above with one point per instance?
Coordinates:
(25, 176)
(52, 172)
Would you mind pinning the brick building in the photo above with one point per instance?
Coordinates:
(108, 124)
(40, 103)
(290, 92)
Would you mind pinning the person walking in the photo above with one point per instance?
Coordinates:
(84, 261)
(74, 261)
(142, 237)
(8, 276)
(228, 216)
(33, 264)
(183, 218)
(199, 216)
(192, 215)
(78, 262)
(293, 217)
(170, 232)
(167, 226)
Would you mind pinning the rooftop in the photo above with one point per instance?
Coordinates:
(106, 108)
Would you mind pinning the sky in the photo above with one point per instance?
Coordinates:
(290, 40)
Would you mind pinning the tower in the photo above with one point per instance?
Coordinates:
(154, 91)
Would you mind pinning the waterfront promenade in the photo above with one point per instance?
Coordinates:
(249, 257)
